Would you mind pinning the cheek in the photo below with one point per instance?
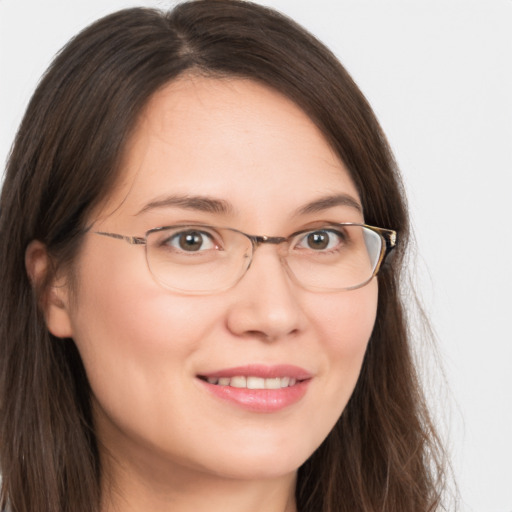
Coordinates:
(135, 339)
(347, 320)
(119, 303)
(345, 326)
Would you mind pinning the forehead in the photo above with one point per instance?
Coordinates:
(230, 139)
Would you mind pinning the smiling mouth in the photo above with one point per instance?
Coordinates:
(258, 388)
(252, 382)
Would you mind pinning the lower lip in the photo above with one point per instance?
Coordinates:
(260, 400)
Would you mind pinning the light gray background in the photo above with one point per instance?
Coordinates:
(439, 75)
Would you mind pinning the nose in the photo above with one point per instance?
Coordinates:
(265, 300)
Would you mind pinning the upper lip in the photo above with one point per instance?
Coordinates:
(263, 371)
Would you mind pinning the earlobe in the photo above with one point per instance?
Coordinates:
(53, 290)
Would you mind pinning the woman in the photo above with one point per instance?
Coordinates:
(245, 358)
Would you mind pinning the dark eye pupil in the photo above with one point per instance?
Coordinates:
(191, 241)
(318, 240)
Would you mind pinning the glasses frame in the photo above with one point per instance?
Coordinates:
(388, 236)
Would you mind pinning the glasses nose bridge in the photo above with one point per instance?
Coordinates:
(263, 239)
(259, 240)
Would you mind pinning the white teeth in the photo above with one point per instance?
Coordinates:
(273, 383)
(255, 383)
(251, 382)
(238, 382)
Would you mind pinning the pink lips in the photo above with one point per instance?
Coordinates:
(294, 379)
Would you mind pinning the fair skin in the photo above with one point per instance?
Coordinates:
(166, 442)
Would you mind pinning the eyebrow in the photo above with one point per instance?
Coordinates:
(220, 206)
(197, 203)
(324, 203)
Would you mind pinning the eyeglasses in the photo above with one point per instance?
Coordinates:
(202, 259)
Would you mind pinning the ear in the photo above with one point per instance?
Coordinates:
(54, 298)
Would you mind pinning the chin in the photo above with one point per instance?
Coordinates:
(259, 461)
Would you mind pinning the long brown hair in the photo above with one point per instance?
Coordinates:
(383, 454)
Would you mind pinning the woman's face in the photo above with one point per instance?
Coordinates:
(229, 153)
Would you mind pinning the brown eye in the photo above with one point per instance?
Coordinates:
(318, 240)
(321, 240)
(191, 241)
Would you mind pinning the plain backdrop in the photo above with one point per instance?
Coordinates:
(438, 73)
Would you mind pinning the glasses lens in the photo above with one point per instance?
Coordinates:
(197, 259)
(337, 257)
(204, 259)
